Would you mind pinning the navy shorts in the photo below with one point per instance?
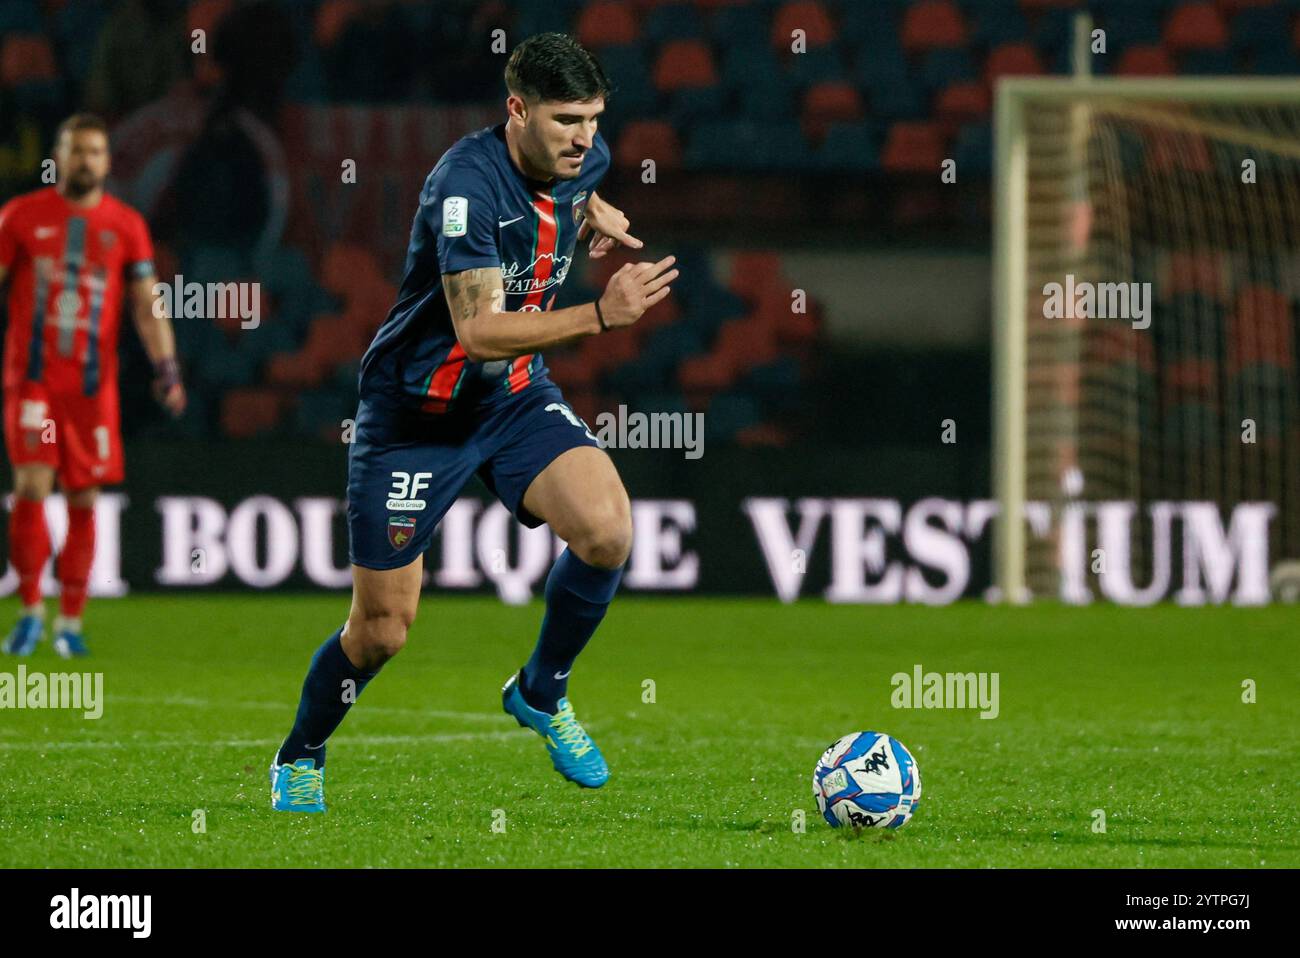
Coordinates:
(405, 468)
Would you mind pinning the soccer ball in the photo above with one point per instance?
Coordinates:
(867, 780)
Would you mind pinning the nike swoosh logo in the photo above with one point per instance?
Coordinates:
(563, 675)
(503, 225)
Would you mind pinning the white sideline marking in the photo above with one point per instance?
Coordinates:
(263, 742)
(284, 706)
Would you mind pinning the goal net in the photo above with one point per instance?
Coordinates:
(1147, 282)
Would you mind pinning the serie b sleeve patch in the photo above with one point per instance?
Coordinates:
(455, 216)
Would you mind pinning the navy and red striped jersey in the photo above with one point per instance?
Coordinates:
(476, 210)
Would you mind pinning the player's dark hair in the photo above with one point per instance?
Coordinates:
(78, 122)
(555, 67)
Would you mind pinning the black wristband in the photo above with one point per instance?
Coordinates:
(601, 318)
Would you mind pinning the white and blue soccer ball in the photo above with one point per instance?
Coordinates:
(867, 780)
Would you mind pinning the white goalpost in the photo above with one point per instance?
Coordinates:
(1146, 289)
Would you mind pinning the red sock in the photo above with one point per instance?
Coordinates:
(74, 561)
(29, 547)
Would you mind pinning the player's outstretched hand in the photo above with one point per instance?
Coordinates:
(634, 288)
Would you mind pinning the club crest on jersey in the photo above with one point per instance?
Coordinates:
(401, 529)
(579, 206)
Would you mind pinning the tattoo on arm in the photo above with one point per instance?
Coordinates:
(470, 291)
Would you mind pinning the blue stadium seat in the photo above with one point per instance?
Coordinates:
(742, 28)
(996, 23)
(974, 149)
(688, 107)
(772, 94)
(850, 148)
(729, 413)
(629, 72)
(1260, 28)
(943, 68)
(824, 65)
(898, 101)
(1208, 63)
(671, 21)
(20, 16)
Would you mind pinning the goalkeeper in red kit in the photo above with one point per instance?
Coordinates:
(68, 253)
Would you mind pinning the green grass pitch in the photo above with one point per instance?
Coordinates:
(1138, 713)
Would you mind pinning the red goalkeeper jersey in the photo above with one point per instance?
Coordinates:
(67, 266)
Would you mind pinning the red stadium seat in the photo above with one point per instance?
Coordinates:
(642, 140)
(606, 23)
(913, 147)
(684, 65)
(1012, 59)
(1203, 272)
(827, 103)
(807, 15)
(1260, 329)
(1195, 26)
(206, 14)
(25, 57)
(754, 273)
(1145, 61)
(960, 104)
(294, 370)
(1171, 150)
(248, 411)
(332, 19)
(931, 25)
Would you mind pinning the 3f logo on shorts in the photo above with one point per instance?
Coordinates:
(405, 494)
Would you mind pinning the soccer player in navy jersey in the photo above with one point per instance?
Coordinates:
(454, 385)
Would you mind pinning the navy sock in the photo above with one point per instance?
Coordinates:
(325, 700)
(577, 596)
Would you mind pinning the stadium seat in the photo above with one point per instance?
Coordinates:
(25, 58)
(20, 16)
(810, 16)
(913, 147)
(961, 104)
(1208, 63)
(1258, 28)
(829, 103)
(648, 139)
(250, 411)
(1195, 26)
(942, 68)
(1012, 59)
(1260, 329)
(1145, 61)
(672, 21)
(205, 15)
(332, 19)
(606, 23)
(974, 148)
(993, 24)
(627, 71)
(932, 23)
(850, 148)
(683, 64)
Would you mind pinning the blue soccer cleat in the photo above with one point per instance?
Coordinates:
(70, 644)
(26, 634)
(299, 787)
(573, 753)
